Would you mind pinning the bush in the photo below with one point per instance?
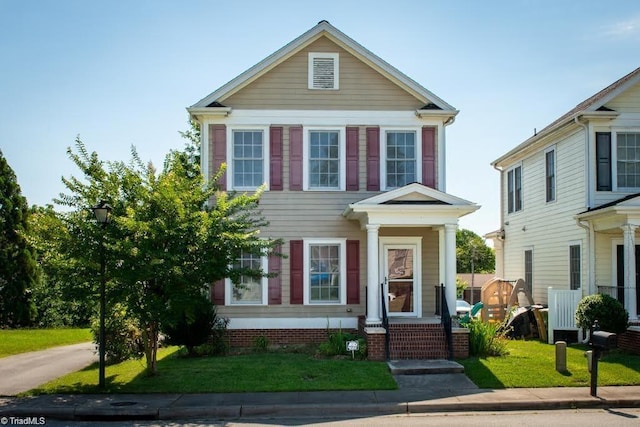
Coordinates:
(261, 343)
(608, 311)
(336, 344)
(123, 339)
(191, 324)
(485, 340)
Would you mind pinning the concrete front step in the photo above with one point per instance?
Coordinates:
(422, 367)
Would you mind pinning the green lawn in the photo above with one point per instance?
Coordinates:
(15, 341)
(532, 364)
(244, 373)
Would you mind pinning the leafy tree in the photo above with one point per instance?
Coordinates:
(18, 270)
(171, 234)
(473, 254)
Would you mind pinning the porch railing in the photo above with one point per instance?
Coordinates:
(445, 319)
(385, 322)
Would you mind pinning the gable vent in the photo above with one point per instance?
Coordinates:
(323, 71)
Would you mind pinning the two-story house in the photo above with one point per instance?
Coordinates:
(352, 153)
(570, 200)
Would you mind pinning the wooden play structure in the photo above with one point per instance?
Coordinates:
(495, 295)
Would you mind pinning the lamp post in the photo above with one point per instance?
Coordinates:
(102, 213)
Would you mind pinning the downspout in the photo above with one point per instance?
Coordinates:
(501, 217)
(587, 163)
(591, 254)
(442, 158)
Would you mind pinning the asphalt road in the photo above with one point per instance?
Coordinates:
(25, 371)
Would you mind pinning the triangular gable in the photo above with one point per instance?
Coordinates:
(323, 28)
(414, 194)
(592, 106)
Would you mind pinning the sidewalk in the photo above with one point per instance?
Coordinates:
(416, 394)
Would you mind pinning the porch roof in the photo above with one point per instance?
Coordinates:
(613, 215)
(413, 205)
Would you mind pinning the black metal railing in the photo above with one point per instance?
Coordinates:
(445, 319)
(385, 321)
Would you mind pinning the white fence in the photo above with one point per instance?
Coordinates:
(562, 309)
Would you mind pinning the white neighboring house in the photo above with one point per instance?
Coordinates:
(570, 200)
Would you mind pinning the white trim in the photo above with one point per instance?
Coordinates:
(336, 70)
(342, 118)
(204, 151)
(265, 154)
(264, 283)
(342, 243)
(342, 147)
(383, 153)
(415, 243)
(236, 323)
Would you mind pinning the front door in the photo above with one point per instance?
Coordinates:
(401, 278)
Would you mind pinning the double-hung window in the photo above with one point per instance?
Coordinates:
(528, 269)
(247, 289)
(325, 267)
(514, 189)
(248, 153)
(550, 174)
(401, 154)
(575, 266)
(628, 159)
(324, 151)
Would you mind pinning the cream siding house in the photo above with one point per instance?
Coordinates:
(352, 153)
(570, 200)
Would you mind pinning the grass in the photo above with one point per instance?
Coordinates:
(532, 364)
(261, 372)
(15, 341)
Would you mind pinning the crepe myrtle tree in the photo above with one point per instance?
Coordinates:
(170, 235)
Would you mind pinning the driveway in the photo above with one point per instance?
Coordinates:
(25, 371)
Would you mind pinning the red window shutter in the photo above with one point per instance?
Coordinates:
(295, 158)
(218, 138)
(373, 159)
(429, 156)
(275, 283)
(275, 149)
(217, 292)
(296, 273)
(353, 272)
(352, 158)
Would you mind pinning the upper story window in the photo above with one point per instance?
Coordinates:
(550, 174)
(400, 154)
(324, 71)
(324, 151)
(248, 165)
(514, 189)
(628, 159)
(249, 290)
(617, 160)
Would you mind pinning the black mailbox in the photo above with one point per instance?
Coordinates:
(604, 340)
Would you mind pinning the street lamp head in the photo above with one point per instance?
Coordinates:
(102, 212)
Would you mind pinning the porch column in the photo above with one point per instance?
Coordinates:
(629, 235)
(373, 276)
(450, 266)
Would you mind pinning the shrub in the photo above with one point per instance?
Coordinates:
(485, 340)
(608, 311)
(123, 339)
(261, 343)
(192, 324)
(336, 344)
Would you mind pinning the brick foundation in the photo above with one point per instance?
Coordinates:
(630, 340)
(417, 341)
(242, 338)
(461, 343)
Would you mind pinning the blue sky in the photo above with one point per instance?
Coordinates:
(121, 73)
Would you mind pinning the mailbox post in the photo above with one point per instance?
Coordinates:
(600, 341)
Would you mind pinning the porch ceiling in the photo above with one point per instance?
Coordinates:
(413, 205)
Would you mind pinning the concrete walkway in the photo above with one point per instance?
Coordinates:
(25, 371)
